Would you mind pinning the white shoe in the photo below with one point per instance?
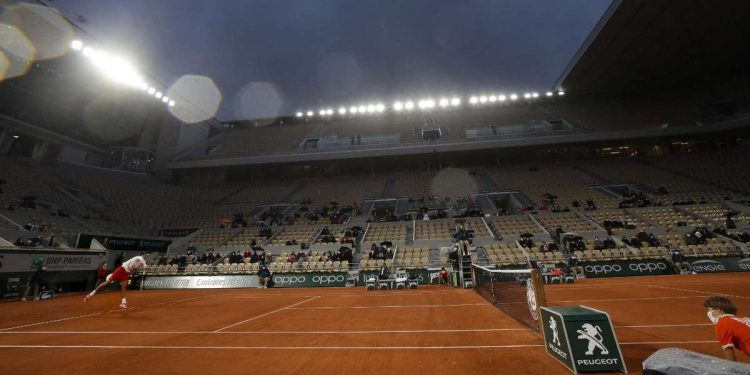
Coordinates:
(123, 306)
(23, 299)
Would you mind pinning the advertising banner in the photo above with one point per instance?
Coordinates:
(200, 282)
(32, 261)
(619, 268)
(308, 280)
(123, 243)
(719, 264)
(176, 232)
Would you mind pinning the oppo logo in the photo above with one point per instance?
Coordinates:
(289, 279)
(744, 264)
(603, 268)
(327, 279)
(633, 267)
(647, 267)
(708, 266)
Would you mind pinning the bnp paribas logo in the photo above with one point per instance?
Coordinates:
(594, 336)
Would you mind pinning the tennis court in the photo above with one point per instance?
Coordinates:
(430, 330)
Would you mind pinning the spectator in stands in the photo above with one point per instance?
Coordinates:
(731, 331)
(598, 245)
(264, 276)
(191, 249)
(210, 258)
(292, 257)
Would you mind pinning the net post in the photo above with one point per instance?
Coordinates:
(541, 297)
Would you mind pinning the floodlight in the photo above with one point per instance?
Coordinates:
(549, 93)
(299, 114)
(513, 96)
(342, 111)
(492, 98)
(76, 45)
(455, 101)
(329, 111)
(473, 100)
(88, 51)
(444, 102)
(409, 105)
(171, 103)
(165, 99)
(158, 95)
(310, 113)
(144, 86)
(501, 98)
(322, 112)
(380, 107)
(561, 93)
(534, 94)
(151, 91)
(353, 110)
(398, 106)
(526, 95)
(483, 99)
(362, 109)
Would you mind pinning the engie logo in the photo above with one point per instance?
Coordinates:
(708, 266)
(743, 264)
(327, 279)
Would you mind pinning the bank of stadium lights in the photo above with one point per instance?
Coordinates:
(118, 70)
(426, 104)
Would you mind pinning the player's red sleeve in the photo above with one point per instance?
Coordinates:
(724, 334)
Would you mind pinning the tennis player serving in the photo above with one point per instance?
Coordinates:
(121, 274)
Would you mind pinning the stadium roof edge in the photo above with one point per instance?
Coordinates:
(613, 6)
(621, 135)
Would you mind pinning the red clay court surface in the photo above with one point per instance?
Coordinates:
(344, 330)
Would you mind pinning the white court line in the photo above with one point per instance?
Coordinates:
(97, 313)
(387, 306)
(666, 325)
(324, 347)
(705, 293)
(478, 330)
(565, 287)
(266, 314)
(625, 299)
(273, 332)
(670, 342)
(52, 321)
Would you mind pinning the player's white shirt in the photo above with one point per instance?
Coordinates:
(133, 263)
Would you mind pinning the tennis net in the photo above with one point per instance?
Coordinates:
(518, 293)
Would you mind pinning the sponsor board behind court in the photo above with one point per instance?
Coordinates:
(720, 264)
(618, 268)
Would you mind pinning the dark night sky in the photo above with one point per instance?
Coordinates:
(315, 53)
